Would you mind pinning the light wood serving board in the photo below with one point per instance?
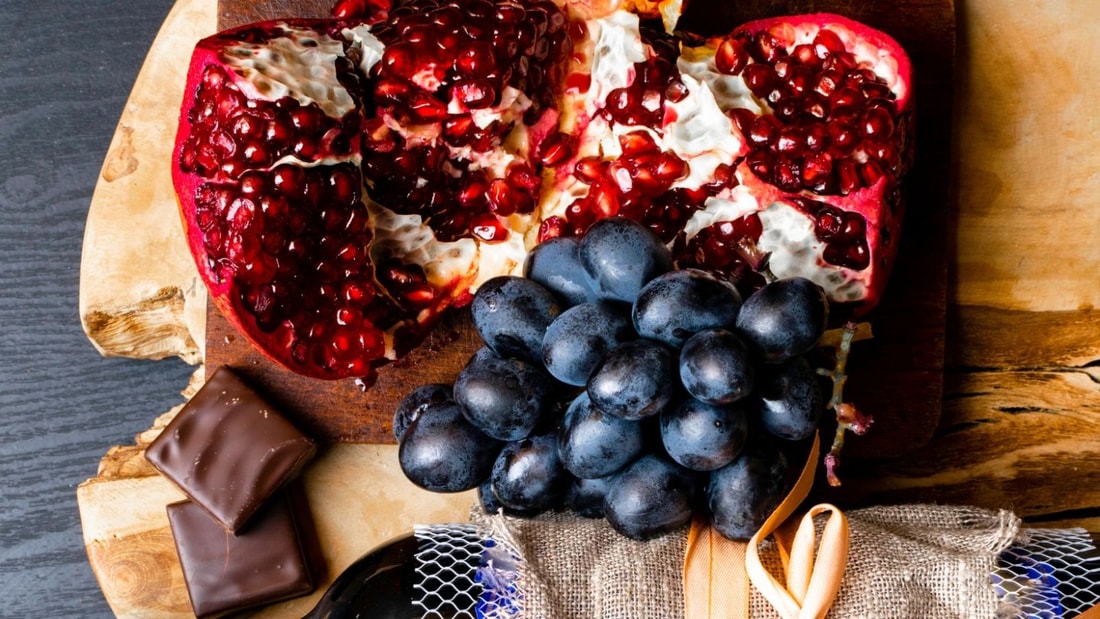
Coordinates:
(1020, 424)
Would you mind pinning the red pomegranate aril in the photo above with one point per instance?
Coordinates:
(474, 93)
(764, 130)
(790, 139)
(817, 170)
(475, 61)
(760, 78)
(853, 256)
(870, 171)
(828, 223)
(590, 169)
(827, 43)
(878, 123)
(556, 149)
(502, 200)
(842, 137)
(488, 228)
(847, 176)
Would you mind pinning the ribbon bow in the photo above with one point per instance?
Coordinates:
(717, 571)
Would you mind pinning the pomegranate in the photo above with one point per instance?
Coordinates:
(344, 182)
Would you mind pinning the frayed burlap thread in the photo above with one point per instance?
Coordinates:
(923, 561)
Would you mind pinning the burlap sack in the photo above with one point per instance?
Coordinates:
(922, 561)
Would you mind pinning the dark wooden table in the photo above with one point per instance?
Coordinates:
(65, 72)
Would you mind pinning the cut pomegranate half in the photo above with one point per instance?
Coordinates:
(343, 182)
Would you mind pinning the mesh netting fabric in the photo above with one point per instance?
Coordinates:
(447, 558)
(1048, 573)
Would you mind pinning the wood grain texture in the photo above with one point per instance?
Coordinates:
(898, 374)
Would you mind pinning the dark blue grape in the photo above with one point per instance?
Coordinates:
(528, 475)
(784, 319)
(651, 497)
(585, 497)
(415, 402)
(679, 304)
(511, 315)
(442, 452)
(556, 265)
(634, 380)
(593, 444)
(504, 398)
(704, 437)
(789, 399)
(489, 502)
(620, 256)
(742, 494)
(716, 367)
(487, 499)
(581, 336)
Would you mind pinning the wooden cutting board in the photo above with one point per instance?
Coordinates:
(898, 375)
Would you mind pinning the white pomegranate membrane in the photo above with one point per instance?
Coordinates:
(343, 183)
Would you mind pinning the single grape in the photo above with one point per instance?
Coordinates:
(651, 497)
(594, 444)
(742, 494)
(528, 475)
(504, 398)
(716, 367)
(704, 437)
(789, 399)
(578, 339)
(784, 319)
(511, 315)
(585, 497)
(413, 404)
(556, 265)
(679, 304)
(442, 452)
(620, 256)
(634, 380)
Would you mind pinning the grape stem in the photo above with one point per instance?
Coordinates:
(848, 417)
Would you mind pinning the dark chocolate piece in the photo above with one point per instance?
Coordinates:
(229, 449)
(268, 561)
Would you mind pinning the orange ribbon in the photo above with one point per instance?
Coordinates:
(717, 571)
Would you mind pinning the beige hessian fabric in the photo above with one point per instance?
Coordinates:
(907, 561)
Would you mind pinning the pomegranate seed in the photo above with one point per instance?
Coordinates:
(806, 55)
(828, 223)
(842, 137)
(816, 170)
(426, 109)
(790, 139)
(604, 201)
(827, 43)
(477, 60)
(556, 149)
(474, 93)
(401, 60)
(730, 57)
(853, 256)
(878, 123)
(769, 48)
(473, 195)
(668, 168)
(870, 172)
(846, 98)
(848, 179)
(676, 91)
(502, 200)
(288, 179)
(488, 228)
(760, 79)
(522, 177)
(590, 169)
(742, 119)
(764, 130)
(636, 143)
(551, 228)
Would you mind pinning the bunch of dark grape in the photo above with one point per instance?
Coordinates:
(615, 386)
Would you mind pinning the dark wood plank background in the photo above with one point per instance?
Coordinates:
(65, 73)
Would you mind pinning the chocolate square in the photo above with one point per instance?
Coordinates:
(271, 559)
(230, 450)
